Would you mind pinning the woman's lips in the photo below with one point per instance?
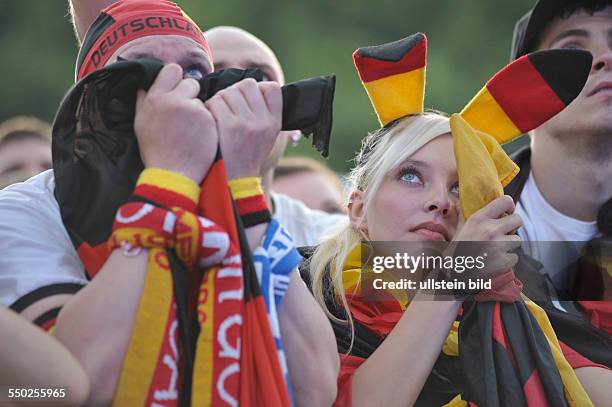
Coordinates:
(430, 234)
(432, 231)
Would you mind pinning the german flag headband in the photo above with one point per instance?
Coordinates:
(519, 98)
(125, 21)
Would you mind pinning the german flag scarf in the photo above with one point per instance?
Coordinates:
(496, 354)
(509, 353)
(204, 325)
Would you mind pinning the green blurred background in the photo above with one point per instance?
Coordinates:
(469, 40)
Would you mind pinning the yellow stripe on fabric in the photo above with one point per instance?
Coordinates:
(482, 165)
(451, 344)
(245, 187)
(353, 277)
(483, 113)
(202, 372)
(574, 392)
(147, 334)
(397, 95)
(171, 181)
(456, 402)
(139, 237)
(506, 168)
(187, 238)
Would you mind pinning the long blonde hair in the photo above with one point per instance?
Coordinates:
(381, 153)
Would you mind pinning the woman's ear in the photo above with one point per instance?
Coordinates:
(356, 211)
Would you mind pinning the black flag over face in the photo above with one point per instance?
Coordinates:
(95, 153)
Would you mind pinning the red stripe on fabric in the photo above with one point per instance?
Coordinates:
(599, 313)
(348, 366)
(498, 328)
(47, 326)
(270, 378)
(251, 204)
(93, 258)
(154, 220)
(218, 207)
(534, 391)
(247, 364)
(499, 333)
(524, 95)
(371, 69)
(576, 360)
(165, 197)
(167, 362)
(216, 204)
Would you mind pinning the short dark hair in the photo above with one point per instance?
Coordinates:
(529, 28)
(591, 6)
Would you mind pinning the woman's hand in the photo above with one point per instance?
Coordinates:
(494, 228)
(495, 222)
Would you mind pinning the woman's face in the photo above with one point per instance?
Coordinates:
(417, 201)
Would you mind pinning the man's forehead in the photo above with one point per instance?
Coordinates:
(237, 49)
(168, 48)
(159, 43)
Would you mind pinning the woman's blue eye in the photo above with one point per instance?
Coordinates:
(410, 177)
(192, 72)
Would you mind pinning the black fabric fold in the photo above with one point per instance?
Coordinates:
(95, 154)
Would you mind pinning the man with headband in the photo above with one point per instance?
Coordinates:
(233, 47)
(175, 132)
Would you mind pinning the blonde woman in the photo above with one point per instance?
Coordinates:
(406, 188)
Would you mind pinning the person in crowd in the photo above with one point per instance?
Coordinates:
(575, 143)
(25, 149)
(233, 47)
(177, 137)
(416, 180)
(309, 181)
(31, 359)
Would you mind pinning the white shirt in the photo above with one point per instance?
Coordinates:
(36, 251)
(309, 227)
(541, 224)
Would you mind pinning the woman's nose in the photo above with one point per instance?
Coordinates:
(440, 201)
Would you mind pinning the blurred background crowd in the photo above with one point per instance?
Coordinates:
(468, 41)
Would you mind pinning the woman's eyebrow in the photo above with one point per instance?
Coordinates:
(417, 163)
